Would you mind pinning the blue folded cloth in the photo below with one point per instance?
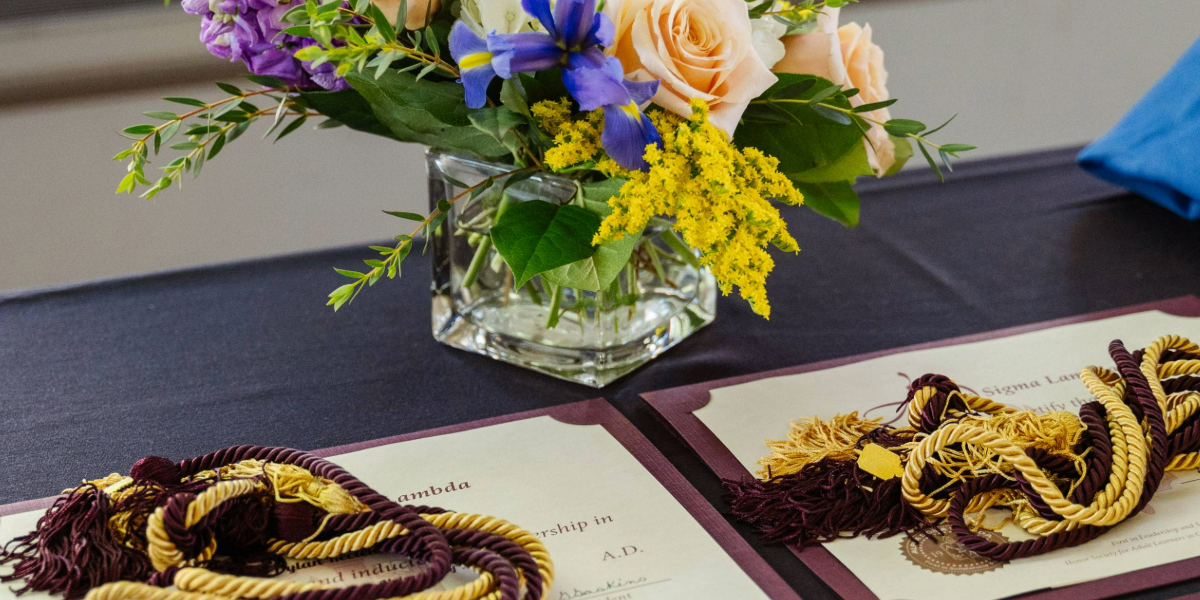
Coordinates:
(1154, 151)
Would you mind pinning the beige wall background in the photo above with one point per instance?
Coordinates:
(1022, 74)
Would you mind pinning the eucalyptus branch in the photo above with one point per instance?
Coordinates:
(379, 47)
(223, 121)
(904, 128)
(393, 256)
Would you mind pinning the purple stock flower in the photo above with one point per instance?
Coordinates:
(574, 34)
(251, 31)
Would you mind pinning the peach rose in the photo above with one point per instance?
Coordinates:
(845, 55)
(696, 48)
(420, 12)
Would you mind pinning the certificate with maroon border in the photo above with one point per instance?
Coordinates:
(617, 518)
(1033, 367)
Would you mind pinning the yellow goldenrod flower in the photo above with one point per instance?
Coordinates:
(551, 114)
(719, 195)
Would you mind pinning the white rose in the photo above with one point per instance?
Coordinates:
(501, 16)
(846, 56)
(697, 49)
(766, 34)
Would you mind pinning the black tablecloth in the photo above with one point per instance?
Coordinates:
(93, 377)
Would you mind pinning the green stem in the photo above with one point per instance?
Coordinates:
(555, 304)
(534, 294)
(672, 239)
(481, 257)
(658, 269)
(485, 247)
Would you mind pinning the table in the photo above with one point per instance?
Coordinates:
(95, 376)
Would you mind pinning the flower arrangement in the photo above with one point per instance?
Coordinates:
(706, 115)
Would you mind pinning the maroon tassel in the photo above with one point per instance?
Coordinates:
(823, 501)
(72, 550)
(241, 534)
(158, 470)
(294, 521)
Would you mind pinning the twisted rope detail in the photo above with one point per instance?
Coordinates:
(216, 526)
(1067, 479)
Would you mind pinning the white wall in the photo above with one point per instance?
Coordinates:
(1022, 74)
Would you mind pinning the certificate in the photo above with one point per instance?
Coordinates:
(619, 522)
(1033, 368)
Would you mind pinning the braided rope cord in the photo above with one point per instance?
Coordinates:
(509, 559)
(1142, 387)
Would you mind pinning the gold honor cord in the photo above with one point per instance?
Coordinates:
(163, 526)
(1065, 477)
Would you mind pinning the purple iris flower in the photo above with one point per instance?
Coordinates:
(475, 63)
(575, 33)
(627, 130)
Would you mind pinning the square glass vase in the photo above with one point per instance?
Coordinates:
(592, 337)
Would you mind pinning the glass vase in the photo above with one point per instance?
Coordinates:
(659, 297)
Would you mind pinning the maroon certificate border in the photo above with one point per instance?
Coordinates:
(677, 407)
(588, 412)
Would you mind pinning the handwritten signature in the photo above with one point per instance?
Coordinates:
(607, 587)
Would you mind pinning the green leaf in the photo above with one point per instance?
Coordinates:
(932, 163)
(405, 215)
(127, 184)
(217, 144)
(851, 165)
(230, 89)
(596, 195)
(299, 31)
(826, 92)
(267, 81)
(169, 131)
(290, 127)
(161, 114)
(805, 141)
(598, 271)
(794, 90)
(513, 97)
(187, 101)
(544, 85)
(832, 115)
(939, 127)
(430, 36)
(140, 130)
(499, 123)
(536, 236)
(862, 108)
(836, 200)
(348, 273)
(349, 108)
(904, 152)
(427, 112)
(381, 22)
(953, 148)
(902, 127)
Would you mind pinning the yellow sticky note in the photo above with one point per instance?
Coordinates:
(880, 462)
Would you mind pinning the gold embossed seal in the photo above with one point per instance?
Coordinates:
(941, 552)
